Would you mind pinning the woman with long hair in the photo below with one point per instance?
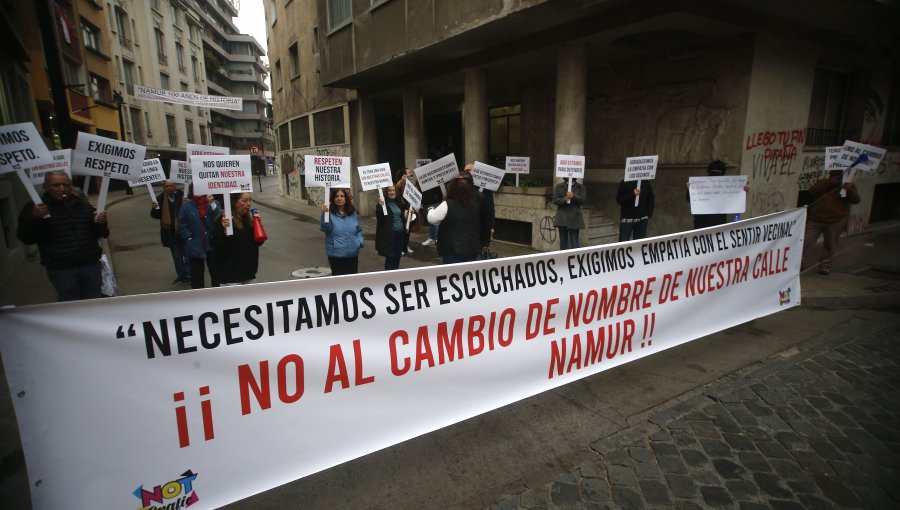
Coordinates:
(462, 230)
(343, 235)
(390, 228)
(237, 255)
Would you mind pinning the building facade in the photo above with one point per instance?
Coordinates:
(764, 87)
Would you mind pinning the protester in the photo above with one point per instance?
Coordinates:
(390, 229)
(343, 235)
(486, 198)
(414, 222)
(569, 220)
(633, 219)
(463, 230)
(171, 199)
(237, 255)
(66, 229)
(827, 216)
(195, 222)
(430, 199)
(715, 168)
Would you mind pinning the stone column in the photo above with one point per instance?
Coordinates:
(413, 127)
(571, 86)
(364, 147)
(475, 116)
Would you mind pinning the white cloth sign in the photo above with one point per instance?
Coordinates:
(188, 98)
(107, 157)
(327, 171)
(162, 392)
(641, 168)
(487, 176)
(21, 147)
(221, 174)
(297, 376)
(518, 164)
(151, 171)
(432, 175)
(569, 166)
(375, 176)
(718, 194)
(62, 162)
(179, 171)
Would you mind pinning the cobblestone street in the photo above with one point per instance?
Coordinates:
(814, 427)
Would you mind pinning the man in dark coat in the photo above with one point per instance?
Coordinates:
(67, 230)
(165, 209)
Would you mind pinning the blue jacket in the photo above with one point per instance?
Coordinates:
(343, 235)
(197, 238)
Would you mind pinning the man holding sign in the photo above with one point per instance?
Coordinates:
(827, 215)
(636, 201)
(66, 229)
(166, 208)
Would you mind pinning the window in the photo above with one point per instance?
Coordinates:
(172, 131)
(328, 126)
(505, 132)
(100, 90)
(137, 127)
(161, 46)
(163, 81)
(175, 19)
(300, 132)
(339, 13)
(154, 4)
(278, 84)
(195, 68)
(202, 134)
(129, 76)
(122, 27)
(294, 55)
(91, 35)
(273, 13)
(189, 127)
(179, 54)
(284, 138)
(826, 110)
(184, 88)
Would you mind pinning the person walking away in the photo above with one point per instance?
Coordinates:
(195, 222)
(390, 229)
(237, 255)
(343, 235)
(166, 209)
(67, 229)
(462, 229)
(634, 219)
(827, 216)
(569, 219)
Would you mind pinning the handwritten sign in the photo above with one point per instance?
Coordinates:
(718, 194)
(487, 176)
(327, 171)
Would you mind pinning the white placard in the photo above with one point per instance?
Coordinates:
(179, 171)
(21, 147)
(151, 171)
(718, 194)
(640, 168)
(432, 175)
(860, 156)
(422, 162)
(62, 162)
(831, 159)
(327, 171)
(412, 194)
(295, 377)
(375, 176)
(221, 174)
(518, 164)
(188, 98)
(569, 166)
(485, 176)
(193, 149)
(107, 157)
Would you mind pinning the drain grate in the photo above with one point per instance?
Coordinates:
(311, 272)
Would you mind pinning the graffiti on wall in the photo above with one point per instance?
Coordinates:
(294, 171)
(857, 223)
(774, 152)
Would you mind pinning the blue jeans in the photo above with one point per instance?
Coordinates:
(638, 228)
(568, 238)
(455, 259)
(432, 231)
(182, 262)
(398, 243)
(76, 283)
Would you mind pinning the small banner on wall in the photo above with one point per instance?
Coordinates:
(188, 98)
(295, 377)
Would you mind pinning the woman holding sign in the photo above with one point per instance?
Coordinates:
(237, 255)
(343, 235)
(463, 229)
(195, 222)
(390, 229)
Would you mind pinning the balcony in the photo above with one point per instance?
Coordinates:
(222, 131)
(125, 42)
(163, 60)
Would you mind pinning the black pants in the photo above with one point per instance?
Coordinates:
(197, 280)
(341, 265)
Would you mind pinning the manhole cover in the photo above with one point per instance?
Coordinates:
(311, 272)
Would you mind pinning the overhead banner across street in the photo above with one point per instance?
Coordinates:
(188, 98)
(147, 401)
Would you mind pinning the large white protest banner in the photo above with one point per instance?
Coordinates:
(188, 98)
(179, 171)
(62, 162)
(327, 171)
(108, 158)
(435, 174)
(212, 395)
(718, 194)
(20, 147)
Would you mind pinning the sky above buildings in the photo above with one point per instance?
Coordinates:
(251, 20)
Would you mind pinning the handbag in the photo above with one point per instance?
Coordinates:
(487, 254)
(108, 282)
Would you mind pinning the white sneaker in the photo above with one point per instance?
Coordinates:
(408, 249)
(428, 242)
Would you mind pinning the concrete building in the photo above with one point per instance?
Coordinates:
(308, 118)
(764, 86)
